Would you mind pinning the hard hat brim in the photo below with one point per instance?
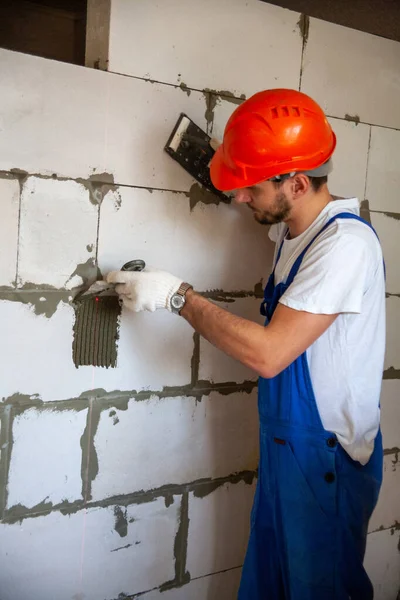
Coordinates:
(225, 180)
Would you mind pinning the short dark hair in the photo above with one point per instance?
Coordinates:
(318, 182)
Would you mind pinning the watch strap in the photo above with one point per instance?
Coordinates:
(183, 288)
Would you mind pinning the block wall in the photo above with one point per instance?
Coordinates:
(138, 480)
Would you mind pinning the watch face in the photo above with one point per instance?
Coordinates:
(177, 301)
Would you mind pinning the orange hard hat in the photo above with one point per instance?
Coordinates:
(274, 132)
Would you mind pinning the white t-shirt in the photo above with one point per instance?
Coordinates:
(342, 272)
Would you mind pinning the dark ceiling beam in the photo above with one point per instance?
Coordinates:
(379, 17)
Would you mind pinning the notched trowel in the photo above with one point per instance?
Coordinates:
(193, 149)
(97, 310)
(101, 288)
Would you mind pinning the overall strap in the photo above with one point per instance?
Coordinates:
(299, 259)
(279, 252)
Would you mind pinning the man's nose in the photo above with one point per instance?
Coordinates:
(242, 196)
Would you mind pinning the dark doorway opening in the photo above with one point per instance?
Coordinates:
(49, 28)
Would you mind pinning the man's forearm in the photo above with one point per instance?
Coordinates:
(266, 350)
(242, 339)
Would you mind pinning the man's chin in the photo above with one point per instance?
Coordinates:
(262, 219)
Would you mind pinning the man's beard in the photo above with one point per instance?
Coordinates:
(279, 212)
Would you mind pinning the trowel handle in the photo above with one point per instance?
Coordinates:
(134, 265)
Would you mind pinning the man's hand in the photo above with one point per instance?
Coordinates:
(149, 289)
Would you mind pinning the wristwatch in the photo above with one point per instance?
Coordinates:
(178, 300)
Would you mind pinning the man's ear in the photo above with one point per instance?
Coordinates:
(300, 185)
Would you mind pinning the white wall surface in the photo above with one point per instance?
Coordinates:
(139, 479)
(226, 45)
(352, 73)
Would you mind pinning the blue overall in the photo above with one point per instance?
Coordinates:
(313, 502)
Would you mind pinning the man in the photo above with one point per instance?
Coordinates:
(319, 356)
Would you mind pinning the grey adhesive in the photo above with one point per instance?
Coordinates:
(96, 331)
(199, 194)
(44, 300)
(304, 27)
(353, 118)
(212, 97)
(121, 522)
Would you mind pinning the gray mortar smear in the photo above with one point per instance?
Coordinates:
(304, 26)
(391, 215)
(44, 300)
(90, 462)
(392, 452)
(214, 96)
(211, 102)
(185, 88)
(121, 521)
(14, 175)
(365, 211)
(364, 205)
(19, 512)
(96, 331)
(180, 548)
(87, 271)
(123, 547)
(98, 184)
(210, 485)
(204, 388)
(220, 295)
(20, 403)
(259, 289)
(117, 399)
(120, 399)
(353, 118)
(199, 194)
(117, 200)
(168, 499)
(195, 362)
(391, 373)
(23, 401)
(6, 444)
(21, 175)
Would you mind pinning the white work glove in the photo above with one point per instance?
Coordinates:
(149, 289)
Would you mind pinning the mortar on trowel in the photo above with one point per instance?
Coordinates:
(102, 288)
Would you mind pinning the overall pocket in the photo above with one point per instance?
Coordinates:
(307, 528)
(275, 396)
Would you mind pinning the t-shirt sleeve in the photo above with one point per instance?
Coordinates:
(333, 276)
